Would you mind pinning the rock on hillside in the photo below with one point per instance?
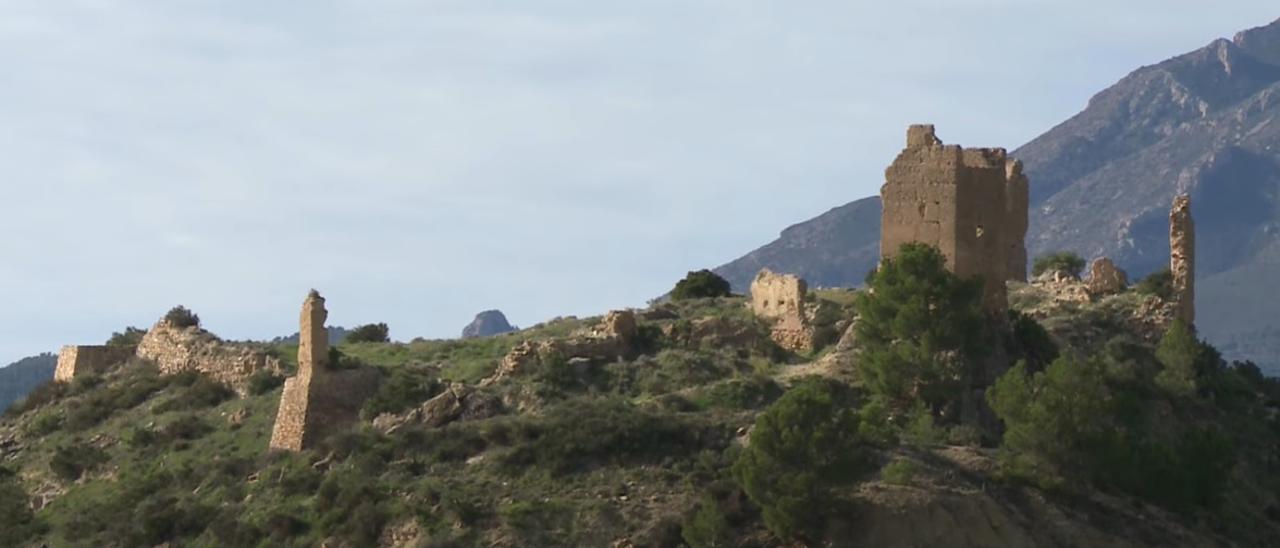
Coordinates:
(487, 324)
(1202, 123)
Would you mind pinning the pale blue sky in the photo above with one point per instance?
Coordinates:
(421, 161)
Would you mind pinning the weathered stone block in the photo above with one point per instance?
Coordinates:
(1106, 278)
(79, 360)
(1182, 259)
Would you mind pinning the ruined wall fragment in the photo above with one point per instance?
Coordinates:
(781, 298)
(1182, 259)
(176, 349)
(969, 203)
(1106, 278)
(614, 337)
(81, 360)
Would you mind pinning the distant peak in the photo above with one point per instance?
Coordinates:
(1262, 43)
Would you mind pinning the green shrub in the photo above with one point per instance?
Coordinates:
(585, 433)
(131, 336)
(180, 317)
(159, 519)
(17, 522)
(1063, 261)
(898, 472)
(263, 381)
(803, 446)
(919, 329)
(43, 423)
(1187, 362)
(752, 392)
(369, 333)
(351, 506)
(126, 392)
(70, 462)
(699, 285)
(406, 387)
(1158, 283)
(1030, 341)
(198, 392)
(39, 396)
(708, 526)
(920, 429)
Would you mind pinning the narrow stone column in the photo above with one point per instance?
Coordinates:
(1182, 258)
(293, 428)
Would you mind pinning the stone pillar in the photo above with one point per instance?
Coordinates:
(1017, 202)
(1182, 258)
(296, 418)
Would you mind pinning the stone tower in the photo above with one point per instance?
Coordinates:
(298, 413)
(1182, 258)
(969, 203)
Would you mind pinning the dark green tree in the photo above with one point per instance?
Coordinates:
(130, 337)
(920, 328)
(699, 285)
(374, 332)
(1062, 261)
(803, 446)
(180, 316)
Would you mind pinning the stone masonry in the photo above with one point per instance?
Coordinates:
(1106, 278)
(177, 349)
(1182, 259)
(79, 360)
(318, 400)
(969, 203)
(781, 298)
(614, 337)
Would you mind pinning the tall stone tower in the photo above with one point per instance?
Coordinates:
(1182, 258)
(969, 203)
(296, 420)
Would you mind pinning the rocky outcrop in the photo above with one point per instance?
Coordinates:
(317, 401)
(457, 402)
(614, 337)
(487, 324)
(1062, 287)
(969, 203)
(780, 298)
(1182, 258)
(1105, 278)
(177, 349)
(79, 360)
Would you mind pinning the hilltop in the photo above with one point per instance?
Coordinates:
(1199, 123)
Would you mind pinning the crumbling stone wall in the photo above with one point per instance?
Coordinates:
(781, 298)
(317, 400)
(1106, 278)
(80, 360)
(1182, 258)
(969, 203)
(614, 337)
(177, 349)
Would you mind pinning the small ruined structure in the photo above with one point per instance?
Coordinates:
(1182, 259)
(318, 399)
(176, 349)
(1105, 278)
(614, 337)
(969, 203)
(781, 298)
(80, 360)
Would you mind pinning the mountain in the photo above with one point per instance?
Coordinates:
(487, 324)
(18, 378)
(1203, 123)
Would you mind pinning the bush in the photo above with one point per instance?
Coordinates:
(263, 381)
(1030, 341)
(898, 472)
(199, 392)
(708, 527)
(373, 332)
(1063, 261)
(17, 522)
(1186, 361)
(41, 395)
(406, 387)
(919, 327)
(130, 337)
(1158, 283)
(70, 462)
(179, 316)
(803, 446)
(699, 285)
(751, 392)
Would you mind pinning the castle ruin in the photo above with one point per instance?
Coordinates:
(1182, 259)
(80, 360)
(969, 203)
(317, 399)
(781, 298)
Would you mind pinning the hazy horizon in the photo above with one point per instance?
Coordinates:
(420, 163)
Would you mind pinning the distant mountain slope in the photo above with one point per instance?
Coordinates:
(18, 378)
(1204, 123)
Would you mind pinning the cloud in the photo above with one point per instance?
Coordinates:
(422, 161)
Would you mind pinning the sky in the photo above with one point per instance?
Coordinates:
(420, 161)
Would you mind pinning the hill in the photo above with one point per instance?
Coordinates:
(1101, 184)
(20, 377)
